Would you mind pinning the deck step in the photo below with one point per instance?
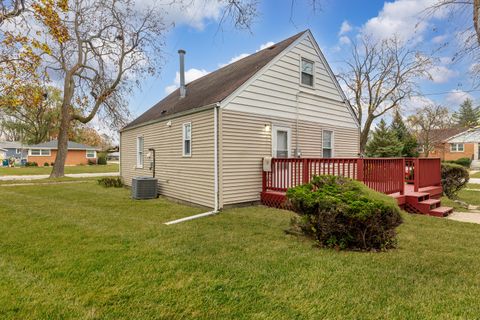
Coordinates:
(441, 211)
(418, 194)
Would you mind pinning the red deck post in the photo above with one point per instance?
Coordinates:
(416, 174)
(360, 169)
(402, 192)
(305, 171)
(264, 181)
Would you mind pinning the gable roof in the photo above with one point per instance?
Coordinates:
(440, 135)
(215, 86)
(468, 136)
(12, 145)
(53, 144)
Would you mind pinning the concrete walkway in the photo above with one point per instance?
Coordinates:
(472, 217)
(72, 175)
(474, 180)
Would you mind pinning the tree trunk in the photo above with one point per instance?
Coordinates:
(62, 148)
(364, 134)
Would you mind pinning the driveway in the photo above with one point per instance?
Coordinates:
(72, 175)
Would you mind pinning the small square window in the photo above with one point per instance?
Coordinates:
(91, 154)
(307, 73)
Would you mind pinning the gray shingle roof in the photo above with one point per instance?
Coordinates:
(53, 144)
(216, 86)
(12, 145)
(469, 136)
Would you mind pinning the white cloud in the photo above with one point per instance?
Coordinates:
(403, 18)
(440, 39)
(345, 28)
(442, 74)
(243, 55)
(266, 45)
(456, 97)
(190, 75)
(344, 40)
(194, 13)
(415, 102)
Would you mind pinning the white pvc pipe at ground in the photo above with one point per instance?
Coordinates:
(205, 214)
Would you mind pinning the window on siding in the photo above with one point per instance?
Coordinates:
(139, 152)
(91, 154)
(421, 149)
(187, 139)
(307, 72)
(327, 144)
(456, 147)
(39, 152)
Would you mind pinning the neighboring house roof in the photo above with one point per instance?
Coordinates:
(12, 145)
(215, 86)
(468, 136)
(53, 144)
(440, 135)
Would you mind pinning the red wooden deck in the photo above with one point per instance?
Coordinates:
(414, 182)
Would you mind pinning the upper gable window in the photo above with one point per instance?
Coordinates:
(307, 72)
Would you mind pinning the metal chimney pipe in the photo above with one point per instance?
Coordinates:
(183, 89)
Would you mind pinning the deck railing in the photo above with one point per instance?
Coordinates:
(386, 175)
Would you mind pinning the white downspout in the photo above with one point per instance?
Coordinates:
(215, 173)
(215, 157)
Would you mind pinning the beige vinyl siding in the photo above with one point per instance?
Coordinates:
(245, 142)
(278, 92)
(186, 178)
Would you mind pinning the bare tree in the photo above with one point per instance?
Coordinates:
(427, 123)
(379, 76)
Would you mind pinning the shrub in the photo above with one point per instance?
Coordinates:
(52, 163)
(464, 162)
(91, 162)
(109, 182)
(46, 164)
(31, 164)
(102, 159)
(454, 178)
(342, 213)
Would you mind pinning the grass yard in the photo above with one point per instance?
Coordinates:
(79, 251)
(469, 196)
(24, 171)
(475, 175)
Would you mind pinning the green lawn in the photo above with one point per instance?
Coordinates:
(475, 175)
(469, 196)
(81, 251)
(23, 171)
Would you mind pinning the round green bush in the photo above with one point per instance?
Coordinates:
(46, 164)
(454, 178)
(102, 159)
(345, 214)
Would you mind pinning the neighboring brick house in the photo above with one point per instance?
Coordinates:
(454, 143)
(77, 153)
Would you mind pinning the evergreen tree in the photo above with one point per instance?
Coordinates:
(384, 143)
(409, 142)
(467, 115)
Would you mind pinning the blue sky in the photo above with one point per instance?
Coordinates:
(209, 46)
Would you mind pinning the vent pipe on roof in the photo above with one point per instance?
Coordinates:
(183, 89)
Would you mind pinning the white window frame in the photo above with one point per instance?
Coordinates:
(275, 129)
(184, 138)
(457, 149)
(94, 154)
(313, 71)
(421, 149)
(18, 151)
(42, 153)
(332, 146)
(140, 153)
